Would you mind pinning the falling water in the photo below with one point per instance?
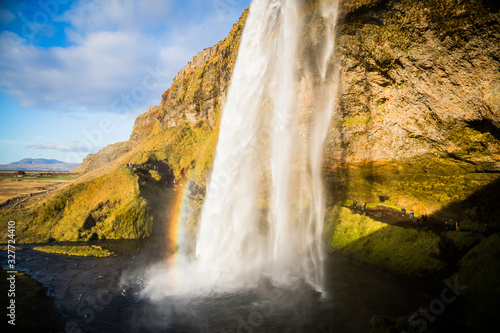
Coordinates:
(264, 209)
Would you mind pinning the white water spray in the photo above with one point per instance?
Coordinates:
(264, 209)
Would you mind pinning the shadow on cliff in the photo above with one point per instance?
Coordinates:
(479, 207)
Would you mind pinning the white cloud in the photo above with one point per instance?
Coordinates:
(89, 75)
(64, 147)
(128, 15)
(117, 47)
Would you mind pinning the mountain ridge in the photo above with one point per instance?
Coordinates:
(39, 164)
(30, 160)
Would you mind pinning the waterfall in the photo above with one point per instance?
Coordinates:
(264, 209)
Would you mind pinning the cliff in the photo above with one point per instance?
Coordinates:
(197, 91)
(418, 116)
(102, 157)
(417, 123)
(419, 78)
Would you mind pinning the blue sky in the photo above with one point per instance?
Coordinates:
(74, 74)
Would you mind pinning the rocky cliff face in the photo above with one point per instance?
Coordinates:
(195, 96)
(146, 123)
(419, 78)
(198, 90)
(104, 156)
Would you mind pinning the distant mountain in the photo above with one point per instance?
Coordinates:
(34, 161)
(39, 164)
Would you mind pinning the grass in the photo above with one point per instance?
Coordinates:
(81, 251)
(6, 248)
(187, 149)
(110, 206)
(56, 177)
(15, 187)
(479, 270)
(403, 251)
(426, 185)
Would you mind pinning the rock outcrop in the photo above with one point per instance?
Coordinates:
(146, 123)
(104, 156)
(419, 78)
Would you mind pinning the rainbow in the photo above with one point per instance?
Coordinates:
(177, 225)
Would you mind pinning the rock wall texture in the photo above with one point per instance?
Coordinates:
(145, 123)
(418, 78)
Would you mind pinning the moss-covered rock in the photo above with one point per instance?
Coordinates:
(400, 250)
(479, 271)
(424, 76)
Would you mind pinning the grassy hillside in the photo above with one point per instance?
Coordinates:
(109, 206)
(400, 250)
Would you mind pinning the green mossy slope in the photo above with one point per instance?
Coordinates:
(479, 271)
(400, 250)
(110, 206)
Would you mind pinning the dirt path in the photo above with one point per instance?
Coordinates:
(394, 217)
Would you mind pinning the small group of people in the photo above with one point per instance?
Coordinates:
(171, 182)
(10, 202)
(420, 220)
(452, 225)
(354, 203)
(141, 166)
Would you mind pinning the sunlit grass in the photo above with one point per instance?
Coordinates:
(81, 251)
(110, 206)
(401, 250)
(6, 248)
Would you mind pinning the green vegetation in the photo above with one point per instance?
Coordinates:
(461, 241)
(110, 206)
(479, 270)
(187, 149)
(81, 251)
(444, 188)
(479, 293)
(387, 324)
(30, 298)
(404, 251)
(6, 248)
(56, 177)
(356, 120)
